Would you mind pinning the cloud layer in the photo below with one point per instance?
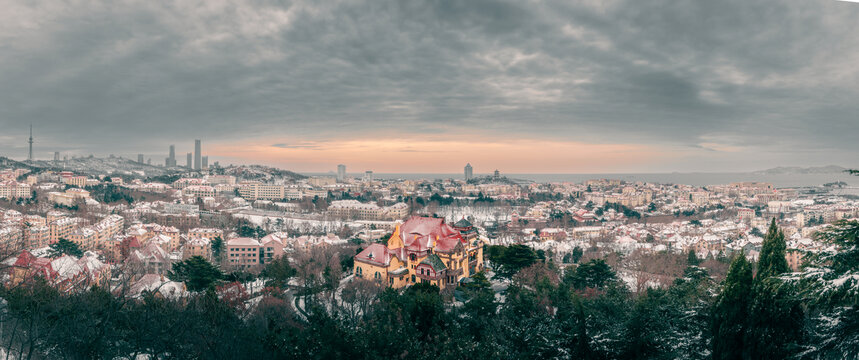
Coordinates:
(721, 85)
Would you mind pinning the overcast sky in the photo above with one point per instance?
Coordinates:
(426, 86)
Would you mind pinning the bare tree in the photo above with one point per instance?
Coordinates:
(358, 296)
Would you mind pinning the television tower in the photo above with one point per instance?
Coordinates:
(30, 157)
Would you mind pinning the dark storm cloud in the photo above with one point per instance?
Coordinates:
(775, 76)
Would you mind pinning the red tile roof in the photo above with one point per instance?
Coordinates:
(422, 233)
(375, 254)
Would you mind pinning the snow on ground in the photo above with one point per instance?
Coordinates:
(307, 225)
(630, 278)
(480, 214)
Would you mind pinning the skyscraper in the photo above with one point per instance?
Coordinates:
(469, 172)
(341, 172)
(30, 156)
(190, 164)
(171, 159)
(368, 175)
(56, 157)
(197, 154)
(205, 162)
(140, 158)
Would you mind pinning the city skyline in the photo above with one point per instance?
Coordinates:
(618, 86)
(195, 157)
(594, 179)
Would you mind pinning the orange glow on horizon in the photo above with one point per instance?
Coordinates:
(397, 154)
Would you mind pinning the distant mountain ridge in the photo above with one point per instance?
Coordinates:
(794, 170)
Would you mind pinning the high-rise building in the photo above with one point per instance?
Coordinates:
(190, 159)
(341, 172)
(56, 156)
(205, 162)
(497, 174)
(140, 158)
(171, 159)
(197, 155)
(368, 175)
(469, 172)
(30, 156)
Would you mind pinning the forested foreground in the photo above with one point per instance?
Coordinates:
(760, 311)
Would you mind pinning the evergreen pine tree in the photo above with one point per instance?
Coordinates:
(830, 290)
(772, 260)
(731, 311)
(692, 258)
(775, 318)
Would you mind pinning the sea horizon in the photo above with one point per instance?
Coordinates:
(685, 178)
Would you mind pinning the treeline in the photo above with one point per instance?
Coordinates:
(109, 193)
(581, 312)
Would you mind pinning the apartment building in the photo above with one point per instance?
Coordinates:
(199, 191)
(259, 191)
(11, 189)
(197, 246)
(62, 228)
(243, 253)
(79, 181)
(207, 233)
(354, 209)
(69, 197)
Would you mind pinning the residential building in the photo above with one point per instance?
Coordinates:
(197, 246)
(11, 189)
(69, 197)
(259, 191)
(243, 253)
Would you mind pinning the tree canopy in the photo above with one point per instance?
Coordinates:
(65, 247)
(508, 260)
(196, 272)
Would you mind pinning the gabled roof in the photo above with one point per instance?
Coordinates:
(131, 242)
(463, 223)
(435, 262)
(395, 242)
(24, 259)
(375, 253)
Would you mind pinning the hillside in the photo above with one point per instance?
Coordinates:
(796, 170)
